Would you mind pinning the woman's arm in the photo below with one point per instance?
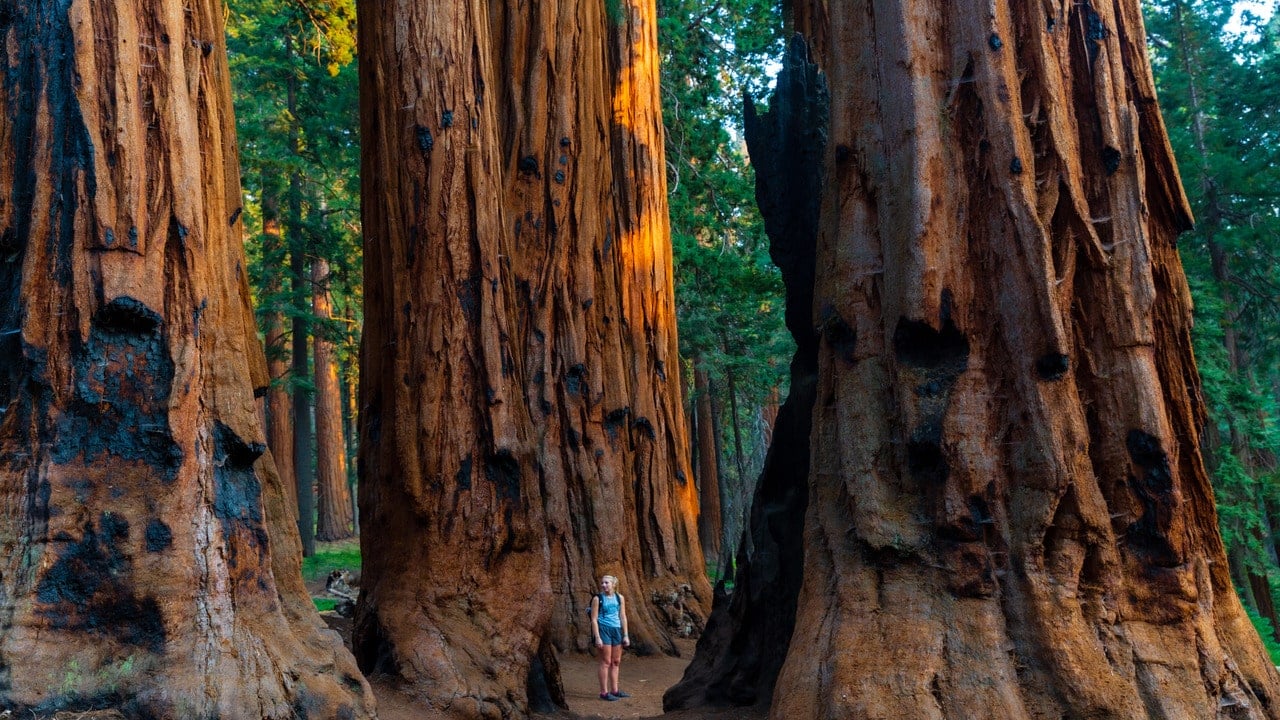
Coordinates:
(595, 619)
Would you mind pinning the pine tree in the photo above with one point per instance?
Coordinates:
(730, 298)
(1216, 88)
(296, 98)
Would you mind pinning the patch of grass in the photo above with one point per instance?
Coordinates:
(1263, 626)
(324, 604)
(344, 554)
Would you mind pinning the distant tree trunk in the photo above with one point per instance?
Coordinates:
(333, 517)
(709, 520)
(765, 419)
(303, 437)
(718, 452)
(733, 493)
(149, 561)
(349, 419)
(768, 417)
(521, 433)
(739, 457)
(303, 458)
(279, 411)
(1009, 516)
(1262, 596)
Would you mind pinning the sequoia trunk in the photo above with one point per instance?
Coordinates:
(1010, 514)
(150, 562)
(333, 497)
(348, 377)
(521, 430)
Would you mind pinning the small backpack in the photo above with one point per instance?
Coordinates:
(600, 597)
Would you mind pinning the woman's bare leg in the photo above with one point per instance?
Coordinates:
(605, 659)
(615, 661)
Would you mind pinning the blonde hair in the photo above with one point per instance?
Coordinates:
(610, 577)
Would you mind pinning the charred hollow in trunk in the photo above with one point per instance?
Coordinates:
(740, 654)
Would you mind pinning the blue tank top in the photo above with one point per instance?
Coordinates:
(609, 611)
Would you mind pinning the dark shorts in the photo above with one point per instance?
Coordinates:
(610, 635)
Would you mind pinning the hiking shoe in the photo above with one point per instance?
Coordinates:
(608, 696)
(620, 694)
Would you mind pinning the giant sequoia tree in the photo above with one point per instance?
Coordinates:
(148, 557)
(520, 417)
(1008, 514)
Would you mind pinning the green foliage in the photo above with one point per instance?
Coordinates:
(332, 36)
(729, 299)
(343, 555)
(1220, 95)
(1266, 632)
(613, 10)
(324, 604)
(295, 93)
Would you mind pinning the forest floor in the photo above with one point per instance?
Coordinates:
(646, 678)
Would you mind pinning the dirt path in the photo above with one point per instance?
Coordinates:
(646, 678)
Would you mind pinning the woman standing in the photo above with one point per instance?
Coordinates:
(609, 623)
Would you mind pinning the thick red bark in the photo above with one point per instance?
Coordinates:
(148, 560)
(1009, 452)
(1009, 515)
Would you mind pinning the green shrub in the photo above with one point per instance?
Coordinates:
(344, 555)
